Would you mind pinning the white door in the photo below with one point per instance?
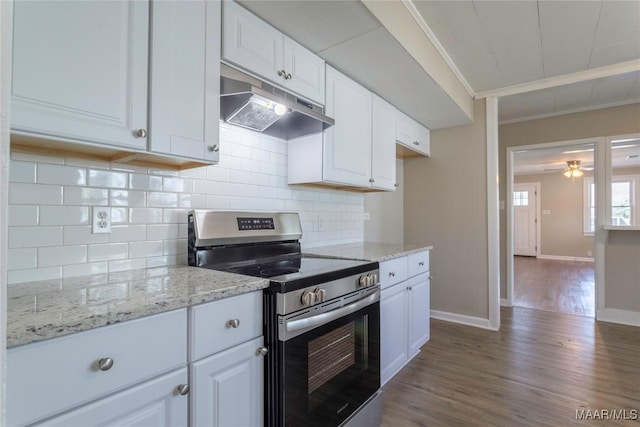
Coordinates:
(525, 219)
(80, 70)
(383, 145)
(227, 388)
(347, 152)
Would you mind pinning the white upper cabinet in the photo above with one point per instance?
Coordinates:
(184, 105)
(383, 145)
(412, 135)
(347, 144)
(251, 43)
(80, 71)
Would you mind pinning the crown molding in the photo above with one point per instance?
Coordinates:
(411, 7)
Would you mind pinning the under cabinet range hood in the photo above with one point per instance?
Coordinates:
(253, 104)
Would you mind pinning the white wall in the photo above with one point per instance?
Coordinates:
(50, 202)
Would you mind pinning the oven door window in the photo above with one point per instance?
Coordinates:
(331, 370)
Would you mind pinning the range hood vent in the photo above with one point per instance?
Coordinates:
(253, 104)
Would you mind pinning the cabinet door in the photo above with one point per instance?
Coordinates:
(185, 78)
(393, 331)
(306, 69)
(227, 388)
(347, 144)
(250, 42)
(405, 129)
(153, 403)
(80, 70)
(419, 299)
(383, 145)
(423, 138)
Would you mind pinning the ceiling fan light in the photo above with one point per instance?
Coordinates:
(577, 173)
(567, 173)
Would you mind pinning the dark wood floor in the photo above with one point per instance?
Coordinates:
(538, 370)
(562, 286)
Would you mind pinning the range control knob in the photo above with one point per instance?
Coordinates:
(308, 299)
(364, 281)
(374, 278)
(319, 295)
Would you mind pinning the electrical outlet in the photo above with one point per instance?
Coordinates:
(101, 220)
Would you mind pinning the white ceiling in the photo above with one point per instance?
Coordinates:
(493, 44)
(497, 44)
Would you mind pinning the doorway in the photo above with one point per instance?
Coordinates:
(551, 212)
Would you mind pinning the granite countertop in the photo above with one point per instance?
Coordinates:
(52, 308)
(366, 251)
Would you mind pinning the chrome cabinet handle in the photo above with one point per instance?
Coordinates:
(262, 351)
(282, 73)
(183, 389)
(105, 363)
(214, 147)
(371, 180)
(392, 274)
(233, 323)
(421, 263)
(288, 76)
(396, 185)
(416, 143)
(141, 133)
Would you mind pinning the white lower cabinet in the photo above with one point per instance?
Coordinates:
(227, 388)
(155, 403)
(404, 312)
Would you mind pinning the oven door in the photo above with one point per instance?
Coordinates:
(333, 366)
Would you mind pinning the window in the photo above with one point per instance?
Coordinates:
(520, 198)
(624, 193)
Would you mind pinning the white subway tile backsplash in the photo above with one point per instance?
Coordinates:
(146, 249)
(108, 252)
(128, 233)
(163, 200)
(34, 275)
(62, 255)
(20, 259)
(50, 224)
(86, 196)
(85, 269)
(82, 235)
(145, 182)
(23, 215)
(145, 215)
(34, 237)
(22, 171)
(64, 175)
(64, 215)
(162, 231)
(35, 194)
(102, 178)
(131, 198)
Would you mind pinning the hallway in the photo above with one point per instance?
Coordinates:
(552, 285)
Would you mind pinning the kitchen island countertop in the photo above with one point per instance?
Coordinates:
(366, 251)
(52, 308)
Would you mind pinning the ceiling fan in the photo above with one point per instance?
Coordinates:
(572, 165)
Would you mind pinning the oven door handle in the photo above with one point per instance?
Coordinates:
(321, 319)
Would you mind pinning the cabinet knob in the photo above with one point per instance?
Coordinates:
(409, 288)
(392, 274)
(288, 76)
(262, 351)
(396, 185)
(233, 323)
(421, 263)
(282, 73)
(141, 133)
(214, 147)
(416, 143)
(371, 180)
(183, 389)
(105, 363)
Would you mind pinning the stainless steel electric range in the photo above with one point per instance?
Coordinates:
(321, 317)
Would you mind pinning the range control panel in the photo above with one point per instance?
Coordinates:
(255, 224)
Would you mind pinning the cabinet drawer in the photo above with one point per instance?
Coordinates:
(418, 263)
(222, 324)
(55, 375)
(393, 271)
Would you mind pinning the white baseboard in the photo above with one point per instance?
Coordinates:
(623, 317)
(505, 302)
(566, 258)
(478, 322)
